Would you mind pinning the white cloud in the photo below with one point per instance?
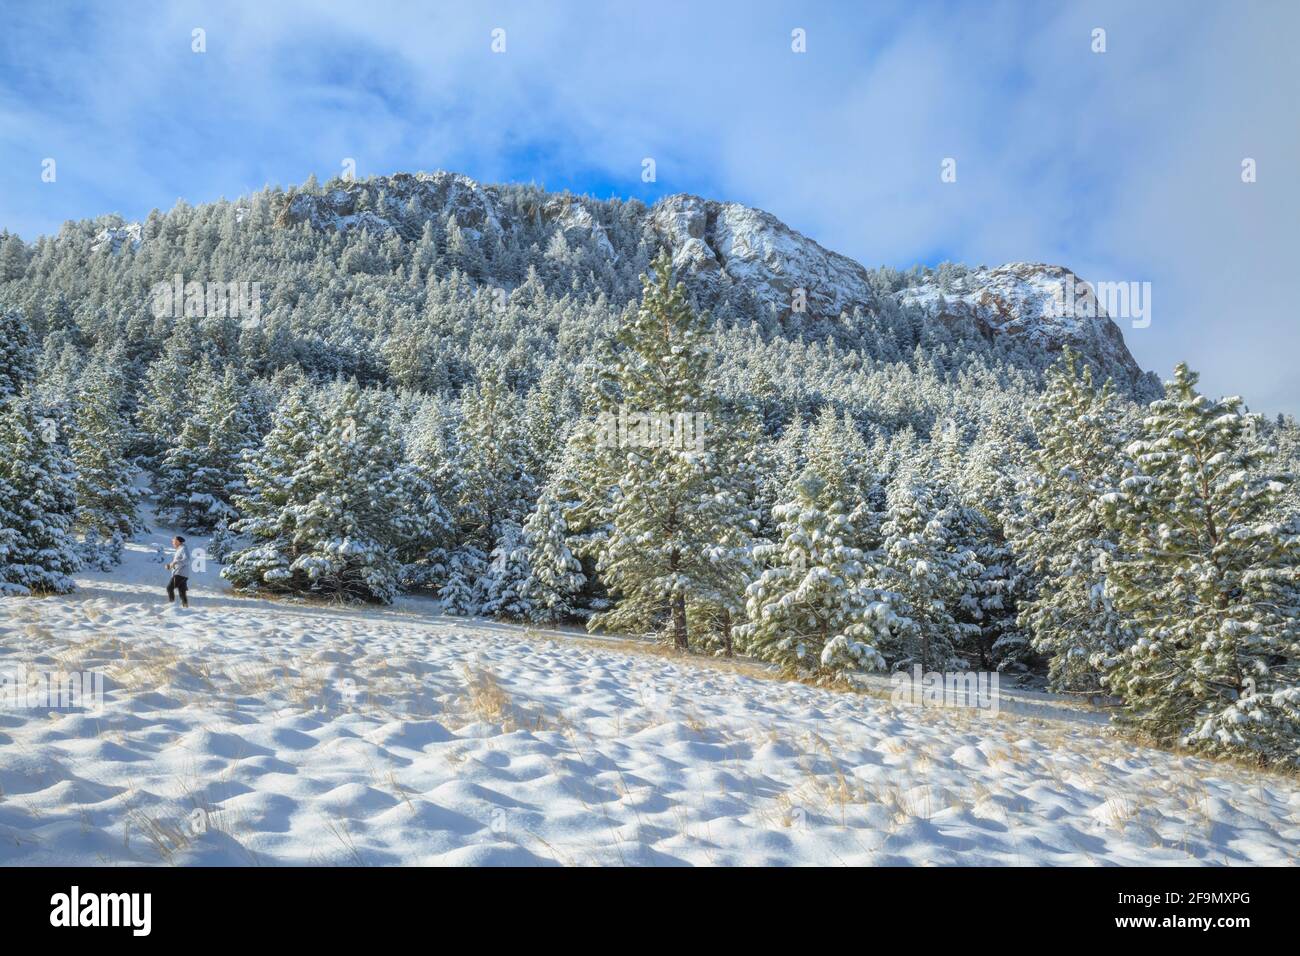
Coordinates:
(1121, 165)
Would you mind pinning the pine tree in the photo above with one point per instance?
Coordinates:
(1000, 642)
(555, 576)
(741, 460)
(10, 539)
(924, 559)
(504, 585)
(107, 501)
(331, 506)
(1209, 580)
(674, 520)
(17, 353)
(200, 475)
(1059, 530)
(788, 458)
(166, 397)
(983, 482)
(811, 608)
(13, 258)
(38, 502)
(223, 542)
(495, 486)
(461, 592)
(430, 451)
(839, 456)
(548, 414)
(582, 487)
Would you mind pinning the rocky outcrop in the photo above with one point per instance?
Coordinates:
(718, 246)
(1028, 303)
(117, 237)
(401, 203)
(756, 250)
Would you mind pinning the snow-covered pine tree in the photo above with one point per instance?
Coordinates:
(583, 486)
(674, 520)
(279, 486)
(548, 416)
(330, 507)
(811, 609)
(223, 542)
(477, 462)
(200, 475)
(17, 353)
(924, 559)
(839, 456)
(1058, 530)
(13, 257)
(38, 501)
(1286, 436)
(1209, 580)
(742, 458)
(982, 482)
(583, 491)
(493, 457)
(107, 501)
(57, 371)
(789, 455)
(9, 537)
(505, 582)
(461, 592)
(165, 395)
(430, 450)
(555, 577)
(1000, 644)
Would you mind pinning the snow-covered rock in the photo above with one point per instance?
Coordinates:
(573, 217)
(1028, 302)
(755, 249)
(400, 203)
(115, 237)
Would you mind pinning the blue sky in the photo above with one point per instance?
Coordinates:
(1124, 165)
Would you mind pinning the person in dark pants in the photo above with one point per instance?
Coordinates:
(178, 565)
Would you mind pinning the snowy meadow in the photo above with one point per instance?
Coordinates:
(248, 731)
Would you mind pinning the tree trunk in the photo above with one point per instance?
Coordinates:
(679, 622)
(726, 634)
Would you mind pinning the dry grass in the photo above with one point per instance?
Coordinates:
(1053, 731)
(165, 837)
(338, 828)
(485, 700)
(400, 791)
(146, 667)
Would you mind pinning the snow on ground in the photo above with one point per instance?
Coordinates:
(247, 731)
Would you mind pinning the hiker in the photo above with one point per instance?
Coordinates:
(178, 566)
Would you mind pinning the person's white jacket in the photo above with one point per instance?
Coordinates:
(179, 562)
